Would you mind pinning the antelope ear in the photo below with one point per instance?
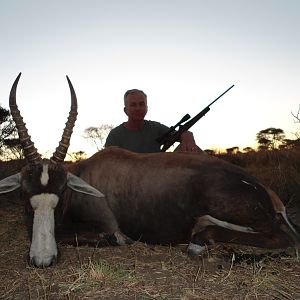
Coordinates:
(77, 184)
(10, 183)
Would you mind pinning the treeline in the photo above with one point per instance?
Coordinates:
(267, 139)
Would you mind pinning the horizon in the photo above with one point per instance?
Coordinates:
(216, 149)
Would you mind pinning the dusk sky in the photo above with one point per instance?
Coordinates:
(183, 54)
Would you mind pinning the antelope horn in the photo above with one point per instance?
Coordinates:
(61, 151)
(30, 152)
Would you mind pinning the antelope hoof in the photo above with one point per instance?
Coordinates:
(194, 249)
(119, 239)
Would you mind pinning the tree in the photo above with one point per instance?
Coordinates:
(98, 135)
(9, 142)
(270, 138)
(248, 149)
(296, 116)
(77, 156)
(232, 150)
(297, 120)
(290, 144)
(210, 151)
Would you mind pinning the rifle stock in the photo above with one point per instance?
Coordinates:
(172, 136)
(163, 139)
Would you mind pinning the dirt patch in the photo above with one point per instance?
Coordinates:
(141, 271)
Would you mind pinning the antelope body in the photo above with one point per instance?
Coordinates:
(169, 198)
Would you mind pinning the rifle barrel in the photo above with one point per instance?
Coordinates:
(221, 95)
(172, 135)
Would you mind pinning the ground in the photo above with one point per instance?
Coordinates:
(141, 271)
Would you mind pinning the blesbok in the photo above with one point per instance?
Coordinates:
(164, 198)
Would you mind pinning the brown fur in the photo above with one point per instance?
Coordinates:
(158, 197)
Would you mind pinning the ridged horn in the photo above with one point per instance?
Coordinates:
(61, 151)
(30, 152)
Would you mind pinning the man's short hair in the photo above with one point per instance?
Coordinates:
(133, 91)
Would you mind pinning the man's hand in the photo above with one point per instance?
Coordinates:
(187, 143)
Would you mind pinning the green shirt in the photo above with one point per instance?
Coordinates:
(142, 140)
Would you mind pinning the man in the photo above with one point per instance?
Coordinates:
(139, 135)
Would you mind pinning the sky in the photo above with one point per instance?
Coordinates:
(182, 53)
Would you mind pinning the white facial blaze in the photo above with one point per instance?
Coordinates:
(43, 245)
(45, 175)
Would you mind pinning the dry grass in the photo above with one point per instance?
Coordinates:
(143, 271)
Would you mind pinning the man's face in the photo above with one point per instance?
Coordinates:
(136, 106)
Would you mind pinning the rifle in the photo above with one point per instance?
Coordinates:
(172, 136)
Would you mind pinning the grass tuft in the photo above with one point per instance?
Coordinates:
(97, 275)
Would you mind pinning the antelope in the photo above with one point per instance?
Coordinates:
(157, 198)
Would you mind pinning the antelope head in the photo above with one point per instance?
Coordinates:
(43, 181)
